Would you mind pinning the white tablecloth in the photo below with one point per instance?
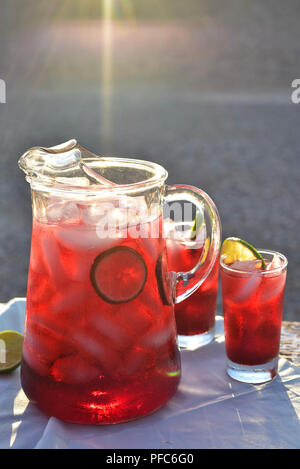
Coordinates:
(209, 410)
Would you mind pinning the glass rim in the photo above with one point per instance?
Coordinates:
(261, 272)
(159, 176)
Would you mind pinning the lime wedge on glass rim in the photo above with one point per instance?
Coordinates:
(11, 343)
(198, 223)
(236, 249)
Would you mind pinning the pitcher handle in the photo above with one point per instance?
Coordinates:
(187, 282)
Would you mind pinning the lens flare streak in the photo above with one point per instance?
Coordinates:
(106, 67)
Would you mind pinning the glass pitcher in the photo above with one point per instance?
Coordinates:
(100, 341)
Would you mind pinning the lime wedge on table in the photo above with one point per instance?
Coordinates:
(11, 343)
(236, 249)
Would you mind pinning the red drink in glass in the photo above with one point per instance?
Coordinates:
(253, 305)
(195, 316)
(100, 339)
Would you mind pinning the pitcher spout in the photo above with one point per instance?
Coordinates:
(66, 160)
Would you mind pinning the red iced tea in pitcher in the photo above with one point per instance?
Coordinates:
(100, 343)
(100, 338)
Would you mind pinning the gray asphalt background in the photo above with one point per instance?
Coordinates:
(204, 91)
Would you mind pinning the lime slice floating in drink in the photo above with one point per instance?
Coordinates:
(236, 249)
(119, 274)
(205, 251)
(162, 281)
(11, 343)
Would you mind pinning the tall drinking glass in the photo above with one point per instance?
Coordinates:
(195, 316)
(253, 306)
